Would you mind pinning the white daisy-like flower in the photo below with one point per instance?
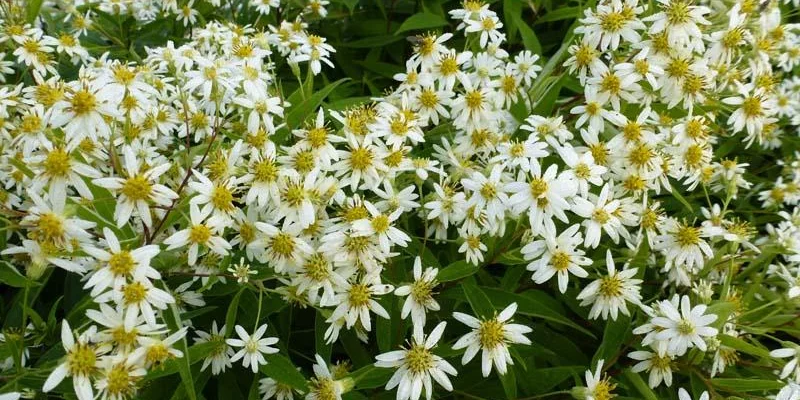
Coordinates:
(685, 328)
(684, 395)
(253, 347)
(611, 293)
(117, 265)
(658, 366)
(492, 337)
(138, 189)
(82, 362)
(557, 255)
(220, 357)
(198, 233)
(793, 366)
(323, 386)
(416, 365)
(419, 294)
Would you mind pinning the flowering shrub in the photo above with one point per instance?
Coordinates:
(343, 199)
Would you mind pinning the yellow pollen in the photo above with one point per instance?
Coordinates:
(199, 234)
(137, 188)
(121, 263)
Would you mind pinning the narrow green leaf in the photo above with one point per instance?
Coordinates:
(640, 385)
(233, 309)
(528, 36)
(421, 21)
(372, 41)
(456, 271)
(533, 307)
(613, 336)
(184, 363)
(743, 346)
(32, 9)
(746, 384)
(305, 108)
(9, 275)
(282, 370)
(559, 14)
(478, 300)
(509, 381)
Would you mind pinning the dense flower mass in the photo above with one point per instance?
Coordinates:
(189, 180)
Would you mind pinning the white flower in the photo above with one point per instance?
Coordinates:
(379, 226)
(220, 357)
(253, 347)
(791, 367)
(492, 336)
(543, 196)
(355, 302)
(419, 294)
(685, 328)
(600, 216)
(81, 363)
(598, 388)
(611, 293)
(197, 234)
(416, 366)
(789, 392)
(139, 297)
(683, 244)
(557, 255)
(684, 395)
(659, 367)
(322, 385)
(138, 189)
(118, 265)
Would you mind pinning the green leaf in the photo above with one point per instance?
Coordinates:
(533, 307)
(9, 275)
(32, 9)
(233, 309)
(282, 370)
(421, 21)
(305, 108)
(478, 300)
(372, 41)
(456, 271)
(528, 36)
(746, 384)
(322, 348)
(723, 309)
(370, 377)
(613, 336)
(509, 381)
(743, 346)
(184, 364)
(559, 14)
(640, 385)
(677, 194)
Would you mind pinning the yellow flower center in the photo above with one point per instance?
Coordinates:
(491, 334)
(560, 260)
(83, 102)
(359, 295)
(199, 234)
(418, 359)
(57, 163)
(137, 188)
(283, 245)
(81, 360)
(134, 293)
(121, 263)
